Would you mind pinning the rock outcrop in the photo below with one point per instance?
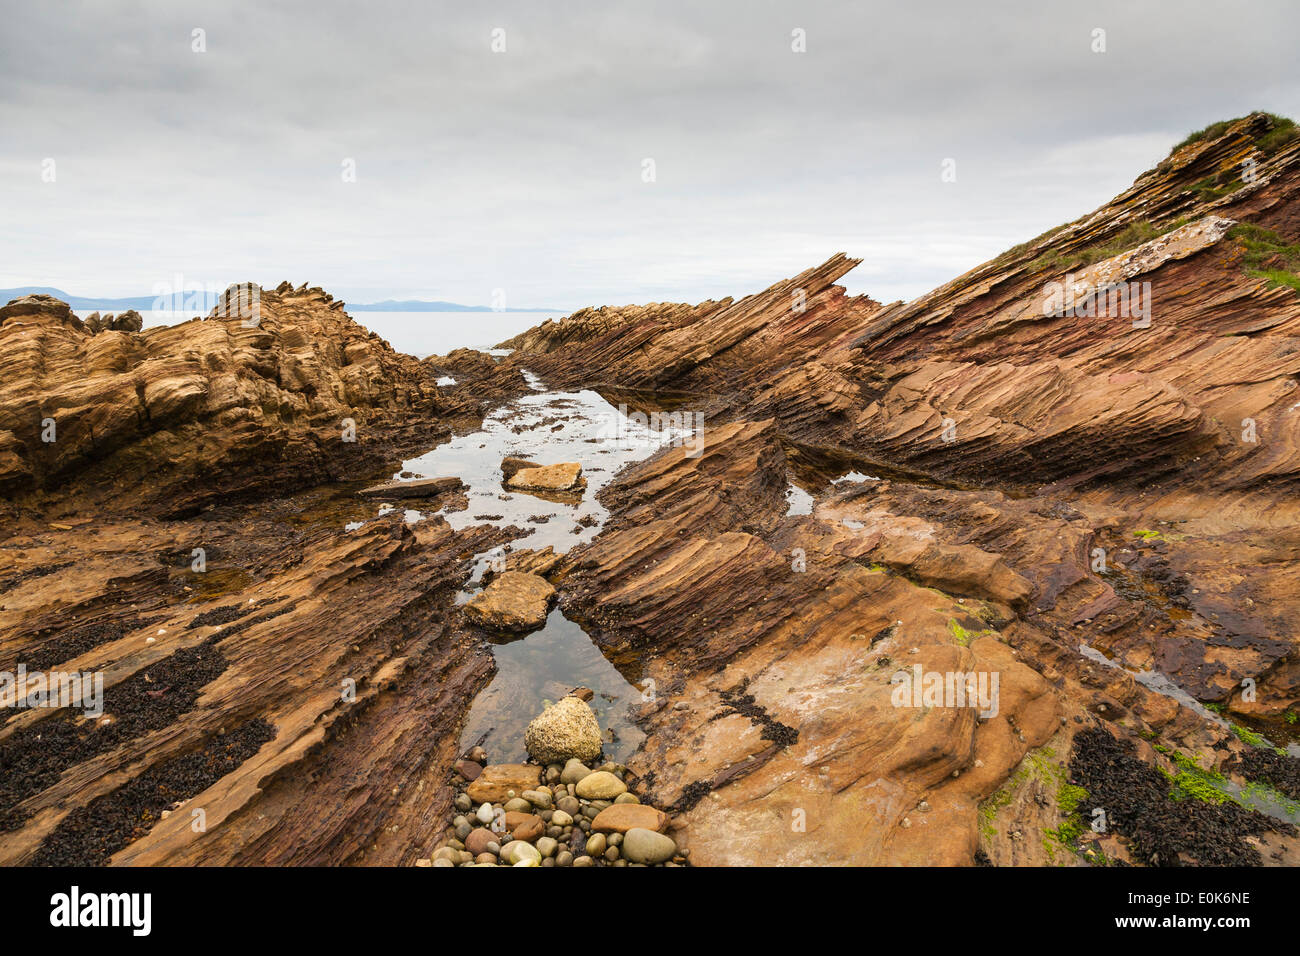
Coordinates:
(176, 418)
(1080, 470)
(931, 583)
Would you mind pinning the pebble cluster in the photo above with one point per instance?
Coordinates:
(570, 815)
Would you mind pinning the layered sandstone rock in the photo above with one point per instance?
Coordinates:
(1081, 524)
(1066, 499)
(179, 417)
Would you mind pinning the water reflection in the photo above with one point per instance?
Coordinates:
(539, 669)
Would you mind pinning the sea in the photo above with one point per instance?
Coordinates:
(415, 333)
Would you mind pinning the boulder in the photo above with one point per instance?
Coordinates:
(478, 840)
(564, 731)
(515, 601)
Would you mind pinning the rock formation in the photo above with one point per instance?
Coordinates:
(1045, 565)
(1061, 456)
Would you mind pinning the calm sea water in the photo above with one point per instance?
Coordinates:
(417, 333)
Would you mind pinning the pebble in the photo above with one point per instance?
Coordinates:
(538, 798)
(545, 817)
(647, 846)
(524, 826)
(574, 770)
(480, 841)
(517, 851)
(601, 785)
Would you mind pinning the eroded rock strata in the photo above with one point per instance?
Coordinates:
(1077, 510)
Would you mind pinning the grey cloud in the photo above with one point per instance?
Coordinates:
(522, 170)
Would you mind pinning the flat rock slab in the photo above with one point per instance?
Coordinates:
(624, 816)
(515, 601)
(497, 780)
(562, 477)
(419, 488)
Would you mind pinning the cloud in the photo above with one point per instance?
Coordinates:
(522, 170)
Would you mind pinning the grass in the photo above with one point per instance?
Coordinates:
(1023, 247)
(1072, 826)
(1283, 132)
(1216, 186)
(1213, 131)
(1133, 235)
(1268, 255)
(1146, 535)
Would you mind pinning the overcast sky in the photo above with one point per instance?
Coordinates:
(523, 170)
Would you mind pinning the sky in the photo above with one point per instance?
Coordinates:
(567, 154)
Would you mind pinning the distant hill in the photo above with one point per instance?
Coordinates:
(202, 302)
(141, 303)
